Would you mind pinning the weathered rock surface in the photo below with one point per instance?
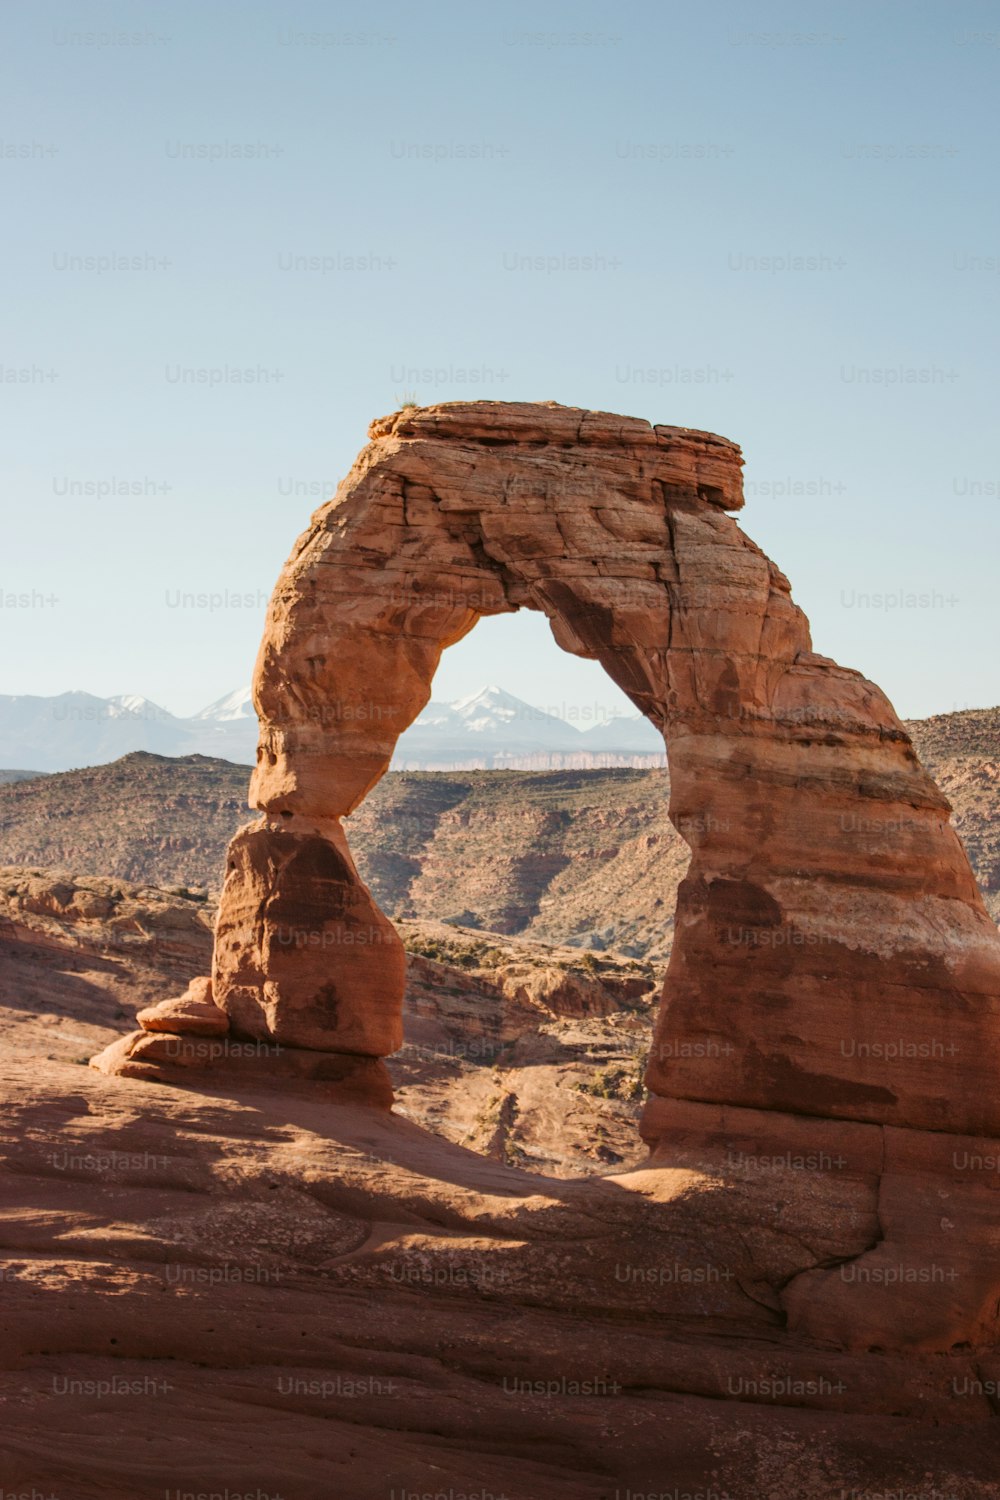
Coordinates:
(194, 1012)
(835, 977)
(302, 953)
(80, 954)
(170, 931)
(829, 914)
(250, 1291)
(532, 1053)
(486, 990)
(165, 1057)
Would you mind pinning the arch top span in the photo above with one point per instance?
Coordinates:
(547, 424)
(619, 531)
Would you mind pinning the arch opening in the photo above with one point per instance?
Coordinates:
(534, 904)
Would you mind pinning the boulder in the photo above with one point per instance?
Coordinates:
(194, 1013)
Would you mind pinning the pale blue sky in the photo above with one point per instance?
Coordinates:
(678, 146)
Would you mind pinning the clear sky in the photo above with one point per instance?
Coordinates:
(791, 217)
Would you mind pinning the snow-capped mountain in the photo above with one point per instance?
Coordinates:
(234, 707)
(79, 729)
(493, 730)
(227, 728)
(132, 705)
(490, 729)
(494, 714)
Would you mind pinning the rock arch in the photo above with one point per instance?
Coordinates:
(832, 956)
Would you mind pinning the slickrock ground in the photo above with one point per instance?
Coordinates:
(265, 1293)
(80, 955)
(206, 1291)
(533, 1055)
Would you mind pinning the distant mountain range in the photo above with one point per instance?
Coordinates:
(493, 730)
(489, 730)
(78, 729)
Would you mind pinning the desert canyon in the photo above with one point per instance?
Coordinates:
(736, 1233)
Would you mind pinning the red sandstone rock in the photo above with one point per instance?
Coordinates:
(834, 984)
(194, 1013)
(833, 955)
(136, 924)
(162, 1057)
(302, 953)
(266, 1294)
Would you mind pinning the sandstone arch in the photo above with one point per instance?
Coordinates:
(832, 957)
